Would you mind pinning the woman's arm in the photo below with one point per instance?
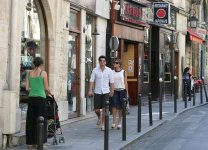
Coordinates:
(27, 86)
(125, 82)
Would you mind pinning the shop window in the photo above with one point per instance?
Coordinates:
(30, 48)
(72, 73)
(167, 60)
(146, 65)
(89, 56)
(74, 20)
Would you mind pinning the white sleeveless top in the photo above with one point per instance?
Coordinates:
(119, 80)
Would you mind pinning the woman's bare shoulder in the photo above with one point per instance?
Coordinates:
(43, 73)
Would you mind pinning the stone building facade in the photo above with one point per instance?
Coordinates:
(47, 28)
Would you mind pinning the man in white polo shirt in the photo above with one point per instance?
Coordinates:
(101, 78)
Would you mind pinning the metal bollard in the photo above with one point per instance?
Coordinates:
(40, 132)
(194, 96)
(201, 94)
(160, 99)
(185, 94)
(175, 95)
(106, 131)
(139, 113)
(150, 108)
(124, 120)
(205, 91)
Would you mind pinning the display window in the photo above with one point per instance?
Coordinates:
(89, 59)
(30, 48)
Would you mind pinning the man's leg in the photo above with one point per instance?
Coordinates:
(104, 98)
(97, 106)
(97, 112)
(189, 92)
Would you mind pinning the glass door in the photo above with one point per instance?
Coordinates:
(73, 76)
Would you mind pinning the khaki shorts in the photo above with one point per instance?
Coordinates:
(99, 100)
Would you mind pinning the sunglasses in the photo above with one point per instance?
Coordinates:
(102, 60)
(116, 62)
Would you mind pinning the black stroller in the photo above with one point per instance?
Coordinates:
(53, 120)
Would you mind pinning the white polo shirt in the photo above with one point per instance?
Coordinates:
(102, 79)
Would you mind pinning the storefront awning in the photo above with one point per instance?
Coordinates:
(194, 36)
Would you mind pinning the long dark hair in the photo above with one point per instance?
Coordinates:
(186, 70)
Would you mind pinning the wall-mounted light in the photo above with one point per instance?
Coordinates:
(95, 31)
(85, 28)
(193, 19)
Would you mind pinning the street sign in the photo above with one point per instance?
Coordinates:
(113, 54)
(114, 42)
(161, 12)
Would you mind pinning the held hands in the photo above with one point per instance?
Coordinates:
(111, 93)
(90, 93)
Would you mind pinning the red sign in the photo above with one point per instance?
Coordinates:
(161, 12)
(131, 12)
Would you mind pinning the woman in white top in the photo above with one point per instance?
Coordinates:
(120, 92)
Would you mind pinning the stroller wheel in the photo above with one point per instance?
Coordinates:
(61, 140)
(55, 142)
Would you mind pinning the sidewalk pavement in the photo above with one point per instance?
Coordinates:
(85, 134)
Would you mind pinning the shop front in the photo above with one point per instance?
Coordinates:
(193, 57)
(161, 58)
(128, 25)
(161, 62)
(33, 44)
(86, 41)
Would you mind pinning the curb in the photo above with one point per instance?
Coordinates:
(158, 125)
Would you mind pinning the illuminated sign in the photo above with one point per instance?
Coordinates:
(131, 13)
(161, 12)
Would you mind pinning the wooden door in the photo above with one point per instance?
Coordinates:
(130, 64)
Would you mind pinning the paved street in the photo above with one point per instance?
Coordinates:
(186, 132)
(82, 135)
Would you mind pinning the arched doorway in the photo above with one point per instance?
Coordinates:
(33, 43)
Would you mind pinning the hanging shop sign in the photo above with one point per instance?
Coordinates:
(131, 12)
(201, 32)
(161, 12)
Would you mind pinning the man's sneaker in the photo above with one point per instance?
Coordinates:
(102, 128)
(118, 127)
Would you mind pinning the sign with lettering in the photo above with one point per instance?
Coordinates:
(161, 12)
(201, 32)
(131, 12)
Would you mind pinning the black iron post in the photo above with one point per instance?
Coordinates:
(175, 94)
(124, 120)
(150, 109)
(205, 91)
(40, 132)
(160, 99)
(106, 131)
(201, 94)
(139, 113)
(194, 96)
(185, 94)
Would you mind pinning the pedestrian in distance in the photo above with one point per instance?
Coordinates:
(102, 83)
(187, 77)
(37, 86)
(120, 92)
